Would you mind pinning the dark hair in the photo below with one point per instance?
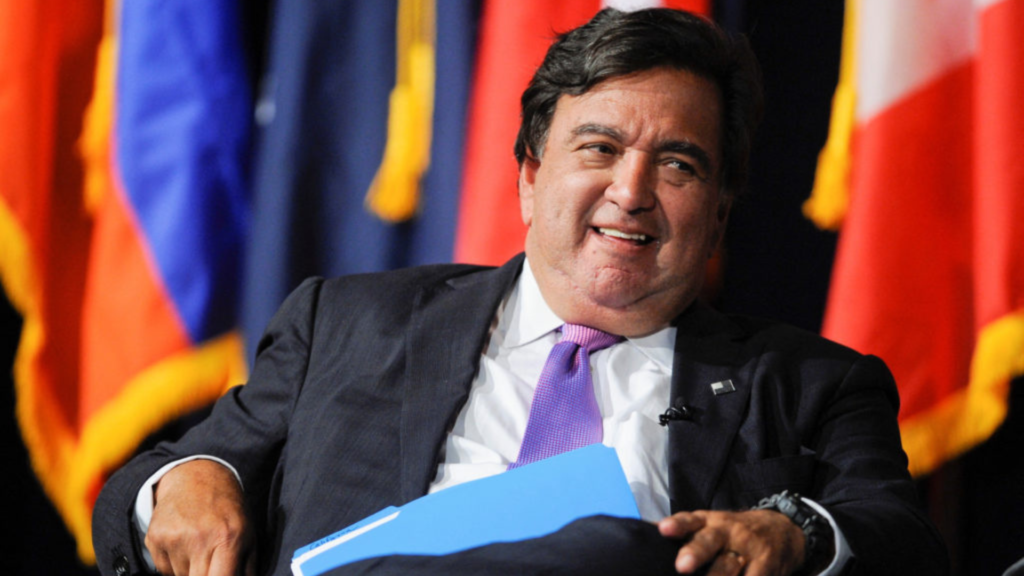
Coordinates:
(615, 43)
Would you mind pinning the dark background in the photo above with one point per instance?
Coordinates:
(776, 264)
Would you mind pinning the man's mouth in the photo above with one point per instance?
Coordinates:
(639, 239)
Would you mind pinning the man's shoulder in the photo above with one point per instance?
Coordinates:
(403, 279)
(777, 334)
(800, 356)
(392, 295)
(769, 336)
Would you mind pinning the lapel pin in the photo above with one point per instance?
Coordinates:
(723, 387)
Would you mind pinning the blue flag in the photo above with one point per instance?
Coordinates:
(323, 118)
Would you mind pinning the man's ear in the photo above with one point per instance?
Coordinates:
(721, 219)
(724, 207)
(527, 179)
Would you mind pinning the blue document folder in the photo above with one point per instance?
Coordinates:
(524, 503)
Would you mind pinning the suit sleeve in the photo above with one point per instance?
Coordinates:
(863, 479)
(246, 428)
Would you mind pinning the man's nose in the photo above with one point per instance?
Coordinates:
(632, 187)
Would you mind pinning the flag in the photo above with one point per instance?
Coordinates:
(123, 209)
(922, 169)
(514, 36)
(345, 109)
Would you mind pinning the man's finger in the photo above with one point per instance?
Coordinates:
(727, 563)
(224, 562)
(680, 525)
(180, 566)
(700, 550)
(161, 562)
(199, 565)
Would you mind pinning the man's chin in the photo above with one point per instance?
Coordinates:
(633, 303)
(626, 308)
(615, 301)
(617, 289)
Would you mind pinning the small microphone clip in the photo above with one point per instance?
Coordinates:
(678, 412)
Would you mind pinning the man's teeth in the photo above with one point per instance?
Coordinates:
(619, 234)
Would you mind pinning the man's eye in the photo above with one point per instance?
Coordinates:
(681, 167)
(679, 172)
(600, 148)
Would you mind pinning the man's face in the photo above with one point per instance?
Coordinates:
(623, 204)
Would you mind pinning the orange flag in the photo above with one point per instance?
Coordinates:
(923, 170)
(111, 197)
(48, 54)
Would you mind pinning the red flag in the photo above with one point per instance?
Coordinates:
(47, 59)
(513, 39)
(929, 271)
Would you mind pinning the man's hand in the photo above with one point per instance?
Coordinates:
(199, 526)
(763, 542)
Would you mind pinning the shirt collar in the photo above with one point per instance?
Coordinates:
(528, 317)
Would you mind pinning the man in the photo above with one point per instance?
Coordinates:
(372, 390)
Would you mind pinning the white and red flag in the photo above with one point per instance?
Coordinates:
(924, 175)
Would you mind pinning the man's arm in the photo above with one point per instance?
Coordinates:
(246, 428)
(861, 484)
(864, 483)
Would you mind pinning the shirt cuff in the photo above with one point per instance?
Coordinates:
(843, 553)
(144, 500)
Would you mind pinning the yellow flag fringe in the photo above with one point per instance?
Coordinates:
(830, 196)
(94, 144)
(394, 193)
(970, 416)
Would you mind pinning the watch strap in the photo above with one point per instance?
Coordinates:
(819, 538)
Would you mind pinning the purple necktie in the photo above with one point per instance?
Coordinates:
(564, 413)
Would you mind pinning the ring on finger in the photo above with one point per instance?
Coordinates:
(739, 557)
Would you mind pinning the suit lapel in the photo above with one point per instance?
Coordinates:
(448, 329)
(708, 350)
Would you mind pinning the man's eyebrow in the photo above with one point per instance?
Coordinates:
(599, 129)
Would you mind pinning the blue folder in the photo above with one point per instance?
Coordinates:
(523, 503)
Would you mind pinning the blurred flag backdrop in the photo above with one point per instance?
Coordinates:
(123, 216)
(923, 172)
(150, 206)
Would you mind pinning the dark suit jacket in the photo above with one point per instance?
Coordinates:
(358, 380)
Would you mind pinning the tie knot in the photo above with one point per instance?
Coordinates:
(590, 338)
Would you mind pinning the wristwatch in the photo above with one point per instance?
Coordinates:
(819, 544)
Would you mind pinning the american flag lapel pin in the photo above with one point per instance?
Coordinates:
(723, 387)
